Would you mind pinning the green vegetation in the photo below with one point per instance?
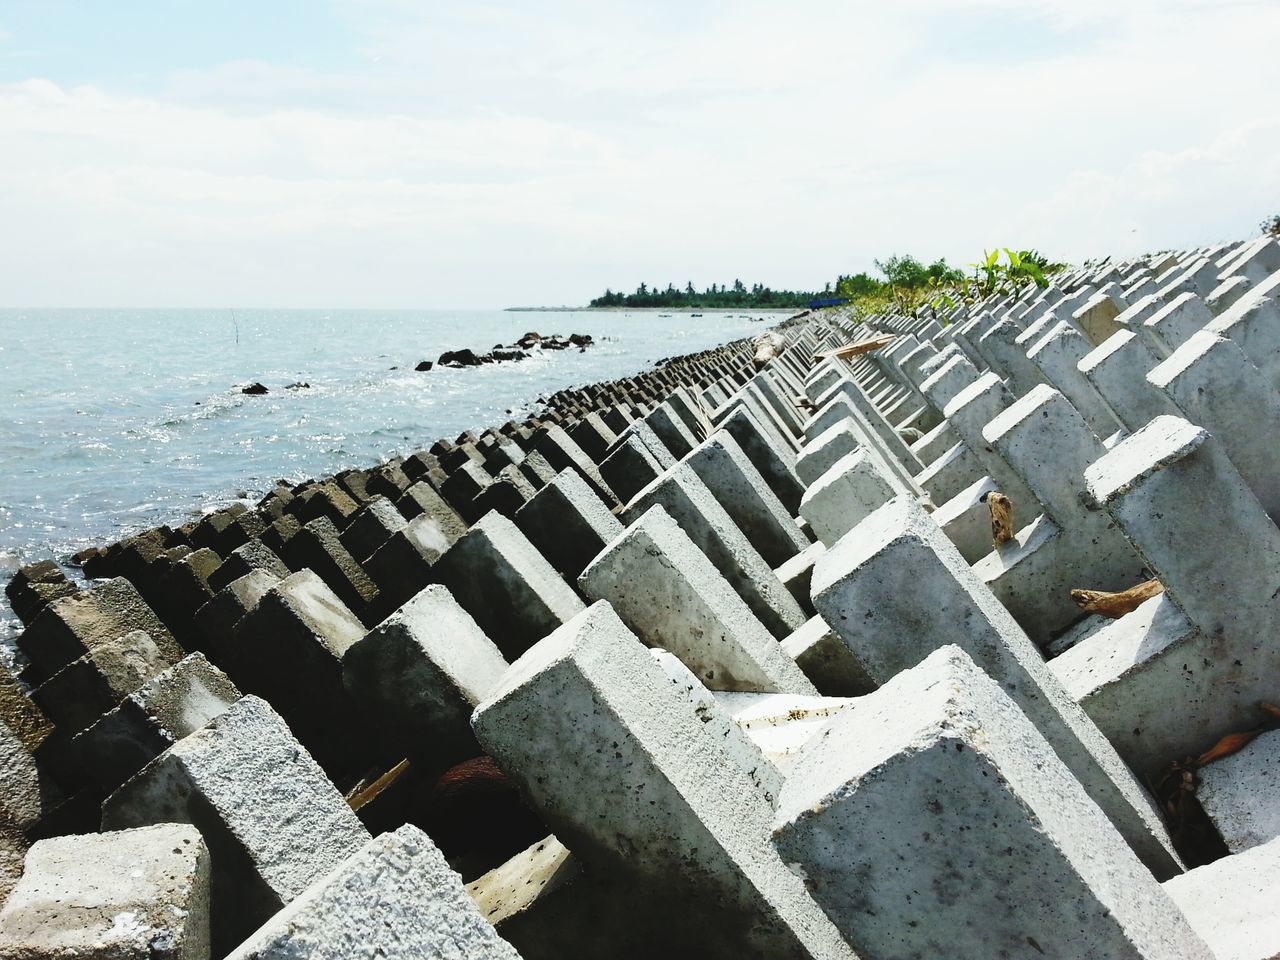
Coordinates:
(738, 295)
(1271, 226)
(908, 284)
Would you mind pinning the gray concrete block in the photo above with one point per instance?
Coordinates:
(631, 467)
(827, 660)
(153, 718)
(933, 819)
(797, 574)
(898, 590)
(70, 627)
(771, 455)
(317, 547)
(562, 453)
(667, 591)
(1231, 903)
(273, 821)
(420, 673)
(738, 486)
(616, 760)
(215, 622)
(128, 895)
(687, 500)
(568, 523)
(244, 559)
(1239, 793)
(510, 589)
(370, 527)
(819, 454)
(395, 897)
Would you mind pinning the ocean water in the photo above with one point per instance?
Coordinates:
(112, 421)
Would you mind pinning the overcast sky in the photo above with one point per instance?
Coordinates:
(393, 153)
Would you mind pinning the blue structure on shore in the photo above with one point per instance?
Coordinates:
(827, 302)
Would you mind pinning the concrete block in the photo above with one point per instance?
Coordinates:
(82, 691)
(562, 453)
(403, 565)
(1239, 793)
(738, 486)
(1231, 903)
(671, 430)
(589, 706)
(420, 673)
(879, 813)
(215, 621)
(35, 586)
(630, 467)
(686, 498)
(317, 547)
(899, 590)
(510, 589)
(771, 455)
(841, 498)
(395, 897)
(667, 591)
(797, 573)
(273, 822)
(827, 660)
(129, 894)
(1118, 370)
(819, 454)
(244, 559)
(966, 520)
(171, 705)
(568, 523)
(370, 527)
(70, 627)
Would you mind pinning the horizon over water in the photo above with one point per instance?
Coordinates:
(114, 421)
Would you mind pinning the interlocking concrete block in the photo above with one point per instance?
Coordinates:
(562, 453)
(738, 486)
(683, 495)
(1231, 903)
(370, 527)
(1239, 793)
(395, 897)
(244, 559)
(289, 649)
(68, 628)
(35, 586)
(129, 895)
(934, 820)
(771, 455)
(568, 523)
(671, 430)
(630, 467)
(215, 622)
(898, 590)
(854, 487)
(510, 589)
(819, 454)
(153, 718)
(614, 757)
(273, 821)
(797, 573)
(827, 660)
(82, 691)
(318, 547)
(403, 564)
(420, 673)
(667, 591)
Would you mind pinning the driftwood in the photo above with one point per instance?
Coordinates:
(768, 346)
(365, 794)
(1115, 605)
(1001, 508)
(858, 348)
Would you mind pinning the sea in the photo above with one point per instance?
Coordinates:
(114, 421)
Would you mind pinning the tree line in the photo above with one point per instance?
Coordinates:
(717, 295)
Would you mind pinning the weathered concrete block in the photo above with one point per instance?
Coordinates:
(130, 894)
(899, 589)
(244, 559)
(686, 498)
(1239, 793)
(68, 628)
(1231, 903)
(797, 573)
(420, 673)
(671, 430)
(934, 819)
(854, 487)
(818, 455)
(770, 454)
(667, 591)
(502, 580)
(631, 467)
(153, 718)
(568, 523)
(370, 527)
(738, 486)
(289, 650)
(273, 821)
(562, 453)
(318, 547)
(35, 586)
(395, 897)
(80, 692)
(589, 705)
(215, 621)
(403, 564)
(827, 660)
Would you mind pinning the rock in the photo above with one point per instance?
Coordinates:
(422, 367)
(529, 339)
(507, 353)
(254, 389)
(581, 339)
(298, 385)
(459, 358)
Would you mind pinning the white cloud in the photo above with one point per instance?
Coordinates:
(488, 156)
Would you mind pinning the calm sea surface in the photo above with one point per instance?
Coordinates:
(115, 421)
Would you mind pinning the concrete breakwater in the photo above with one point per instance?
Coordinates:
(718, 659)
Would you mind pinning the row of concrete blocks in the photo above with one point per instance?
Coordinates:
(698, 838)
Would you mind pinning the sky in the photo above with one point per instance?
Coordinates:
(389, 153)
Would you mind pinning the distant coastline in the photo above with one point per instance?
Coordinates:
(742, 310)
